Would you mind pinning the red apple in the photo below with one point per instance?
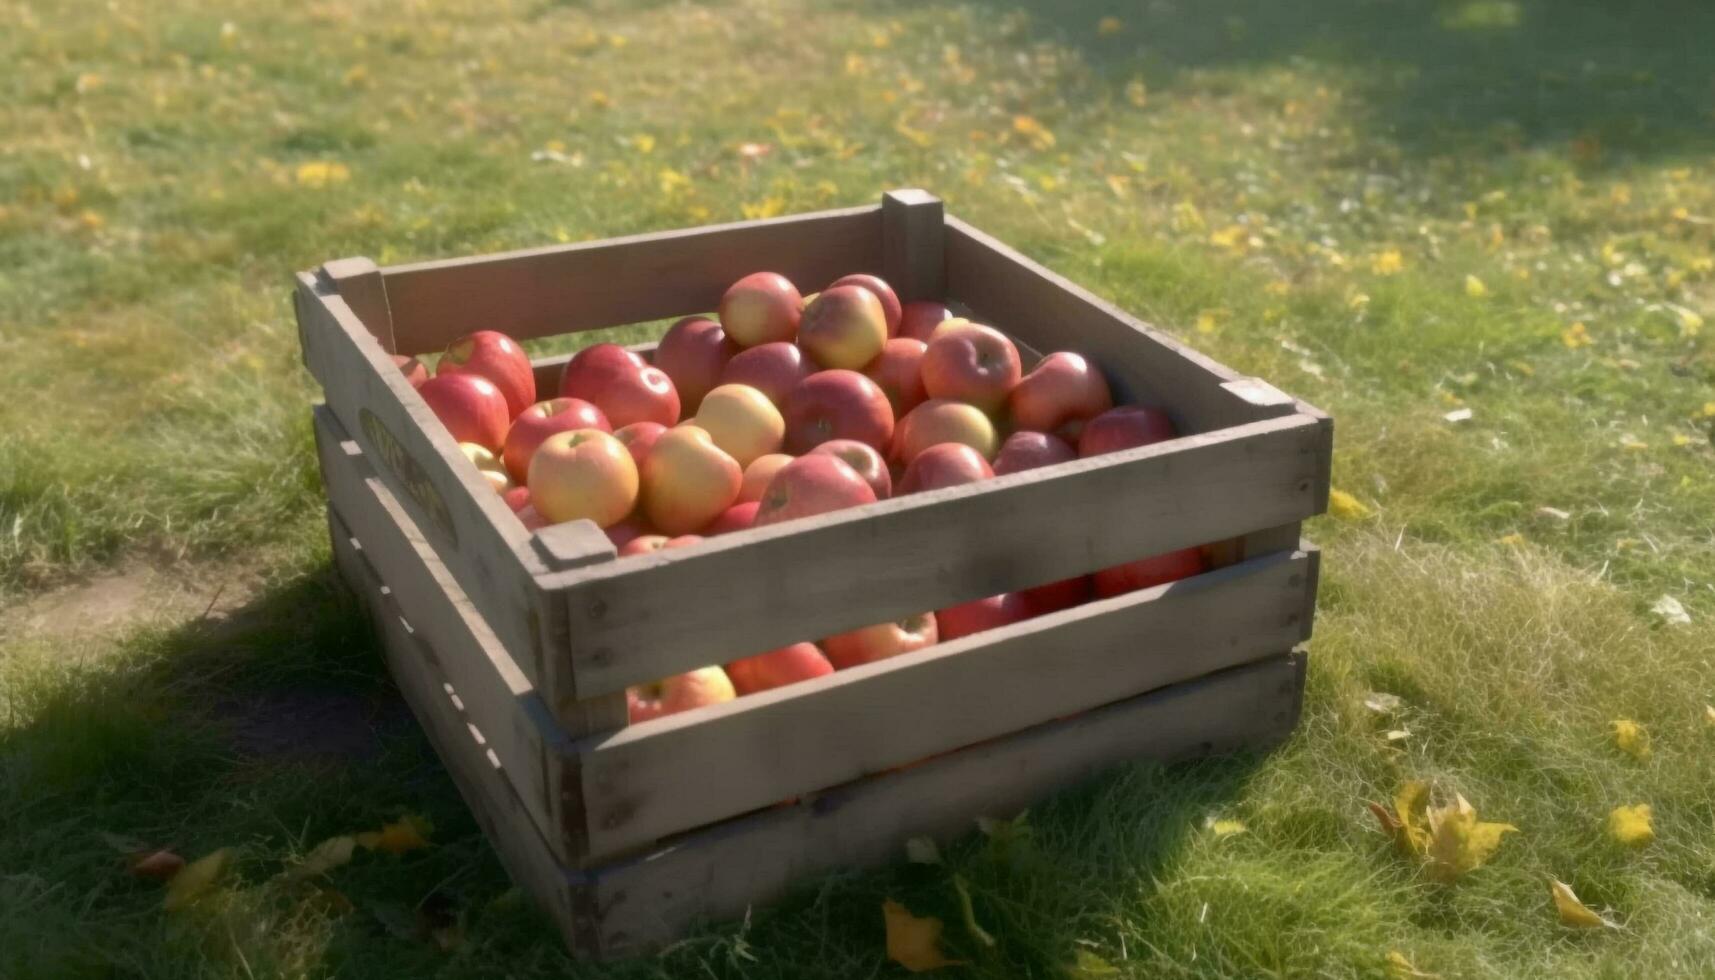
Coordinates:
(890, 307)
(735, 518)
(470, 406)
(918, 320)
(742, 421)
(1125, 427)
(1146, 572)
(1055, 596)
(412, 368)
(517, 498)
(622, 385)
(681, 692)
(844, 328)
(645, 543)
(814, 484)
(949, 464)
(778, 668)
(1062, 388)
(531, 518)
(639, 438)
(897, 370)
(837, 404)
(584, 473)
(862, 457)
(939, 420)
(541, 420)
(1028, 450)
(488, 465)
(983, 614)
(773, 369)
(498, 358)
(758, 473)
(971, 363)
(688, 480)
(761, 308)
(627, 530)
(694, 352)
(883, 640)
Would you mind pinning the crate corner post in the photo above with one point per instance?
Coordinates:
(913, 244)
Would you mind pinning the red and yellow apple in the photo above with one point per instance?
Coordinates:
(681, 692)
(694, 352)
(940, 420)
(639, 438)
(761, 308)
(625, 531)
(897, 371)
(583, 474)
(517, 497)
(488, 465)
(742, 421)
(625, 387)
(983, 614)
(412, 368)
(809, 485)
(1125, 427)
(1147, 572)
(844, 328)
(645, 543)
(470, 406)
(498, 358)
(837, 404)
(947, 464)
(883, 640)
(778, 668)
(541, 420)
(862, 457)
(1063, 387)
(735, 518)
(758, 473)
(971, 363)
(890, 309)
(531, 518)
(919, 319)
(1028, 450)
(688, 480)
(773, 369)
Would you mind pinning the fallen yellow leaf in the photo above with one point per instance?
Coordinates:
(1347, 507)
(1631, 738)
(408, 833)
(1037, 134)
(1109, 26)
(1573, 912)
(1227, 827)
(1387, 262)
(912, 942)
(977, 932)
(196, 879)
(1400, 967)
(1709, 715)
(1474, 287)
(1088, 964)
(1401, 823)
(1630, 825)
(1576, 336)
(1459, 842)
(326, 856)
(321, 173)
(1515, 539)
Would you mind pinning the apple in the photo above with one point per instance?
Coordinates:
(773, 369)
(971, 363)
(541, 420)
(778, 668)
(470, 406)
(897, 370)
(814, 484)
(1055, 596)
(694, 352)
(645, 543)
(517, 498)
(918, 320)
(625, 531)
(844, 328)
(639, 437)
(531, 518)
(837, 404)
(1028, 450)
(486, 464)
(983, 614)
(584, 473)
(498, 358)
(758, 473)
(890, 308)
(883, 640)
(939, 420)
(946, 325)
(761, 308)
(1063, 387)
(412, 368)
(947, 464)
(1146, 572)
(862, 457)
(625, 387)
(688, 480)
(681, 692)
(735, 518)
(742, 421)
(1125, 427)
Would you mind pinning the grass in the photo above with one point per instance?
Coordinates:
(1395, 210)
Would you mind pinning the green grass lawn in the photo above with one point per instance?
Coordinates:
(1396, 210)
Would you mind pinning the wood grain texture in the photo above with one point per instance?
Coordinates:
(684, 771)
(358, 282)
(913, 244)
(720, 873)
(568, 288)
(654, 615)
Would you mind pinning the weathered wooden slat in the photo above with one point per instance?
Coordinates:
(358, 282)
(567, 288)
(722, 872)
(681, 772)
(655, 615)
(913, 244)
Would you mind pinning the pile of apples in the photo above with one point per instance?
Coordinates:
(786, 407)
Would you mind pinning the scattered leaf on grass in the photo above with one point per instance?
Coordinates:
(1400, 967)
(1459, 415)
(326, 856)
(1087, 964)
(922, 850)
(160, 865)
(1671, 611)
(1383, 703)
(1631, 738)
(977, 932)
(912, 942)
(1475, 288)
(1573, 912)
(1459, 842)
(1401, 823)
(1347, 507)
(1630, 825)
(1554, 512)
(408, 833)
(1225, 827)
(196, 879)
(1709, 715)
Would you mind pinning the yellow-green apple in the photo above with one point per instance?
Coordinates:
(773, 369)
(941, 420)
(742, 421)
(1055, 596)
(947, 464)
(971, 363)
(470, 406)
(837, 404)
(1125, 427)
(919, 319)
(862, 457)
(897, 371)
(694, 352)
(486, 464)
(645, 543)
(1063, 387)
(883, 640)
(531, 518)
(625, 387)
(639, 437)
(761, 308)
(517, 498)
(1146, 572)
(584, 473)
(758, 473)
(541, 420)
(498, 358)
(949, 323)
(412, 368)
(809, 485)
(621, 534)
(735, 518)
(890, 308)
(688, 480)
(983, 614)
(778, 668)
(681, 692)
(1028, 450)
(844, 328)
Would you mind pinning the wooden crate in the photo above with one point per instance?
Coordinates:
(515, 648)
